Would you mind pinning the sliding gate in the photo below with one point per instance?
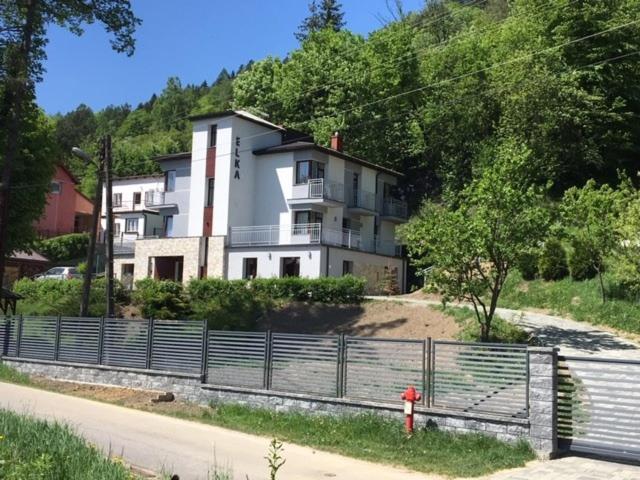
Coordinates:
(599, 406)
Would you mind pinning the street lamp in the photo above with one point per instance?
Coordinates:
(91, 250)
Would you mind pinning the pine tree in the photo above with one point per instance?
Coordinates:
(322, 14)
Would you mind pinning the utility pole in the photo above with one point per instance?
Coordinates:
(109, 229)
(95, 224)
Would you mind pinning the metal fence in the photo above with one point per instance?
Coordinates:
(459, 376)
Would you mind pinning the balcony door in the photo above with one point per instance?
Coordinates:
(308, 170)
(307, 225)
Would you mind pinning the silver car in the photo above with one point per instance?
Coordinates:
(59, 273)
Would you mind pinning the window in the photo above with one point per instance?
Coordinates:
(211, 183)
(250, 268)
(116, 229)
(170, 181)
(213, 135)
(307, 216)
(131, 225)
(56, 187)
(347, 267)
(117, 199)
(290, 267)
(356, 182)
(137, 198)
(168, 226)
(307, 170)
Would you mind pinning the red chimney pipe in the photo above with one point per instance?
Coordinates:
(336, 141)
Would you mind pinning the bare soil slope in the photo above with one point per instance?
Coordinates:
(369, 319)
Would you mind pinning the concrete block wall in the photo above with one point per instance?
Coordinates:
(189, 388)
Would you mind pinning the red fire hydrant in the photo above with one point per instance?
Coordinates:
(410, 397)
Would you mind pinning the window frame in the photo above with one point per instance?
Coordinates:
(133, 221)
(349, 267)
(170, 177)
(167, 226)
(137, 198)
(116, 199)
(295, 261)
(245, 269)
(213, 135)
(210, 189)
(55, 188)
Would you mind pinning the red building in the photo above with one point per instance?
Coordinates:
(67, 210)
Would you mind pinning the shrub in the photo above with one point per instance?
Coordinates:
(346, 289)
(553, 261)
(581, 262)
(528, 265)
(160, 299)
(61, 297)
(65, 247)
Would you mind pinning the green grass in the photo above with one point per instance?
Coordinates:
(501, 330)
(35, 449)
(578, 300)
(371, 437)
(11, 375)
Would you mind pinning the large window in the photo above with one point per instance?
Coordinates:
(211, 184)
(290, 267)
(117, 199)
(307, 170)
(213, 135)
(307, 216)
(250, 268)
(170, 181)
(131, 225)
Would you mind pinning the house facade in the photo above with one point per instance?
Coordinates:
(67, 210)
(253, 199)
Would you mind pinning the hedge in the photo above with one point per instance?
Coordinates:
(65, 247)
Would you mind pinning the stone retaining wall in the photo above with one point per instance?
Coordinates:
(189, 388)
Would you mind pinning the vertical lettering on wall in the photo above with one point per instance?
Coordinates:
(237, 159)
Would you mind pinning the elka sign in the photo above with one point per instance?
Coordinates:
(237, 159)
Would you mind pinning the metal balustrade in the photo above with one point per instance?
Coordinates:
(319, 189)
(471, 377)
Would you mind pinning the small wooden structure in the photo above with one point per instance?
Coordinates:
(8, 301)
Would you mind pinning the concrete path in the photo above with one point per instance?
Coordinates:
(573, 338)
(190, 449)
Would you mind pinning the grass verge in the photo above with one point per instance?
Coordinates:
(369, 437)
(579, 300)
(35, 449)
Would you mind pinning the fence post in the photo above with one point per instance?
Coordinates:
(56, 348)
(4, 351)
(543, 400)
(426, 352)
(340, 367)
(432, 373)
(100, 340)
(19, 335)
(205, 351)
(149, 342)
(266, 380)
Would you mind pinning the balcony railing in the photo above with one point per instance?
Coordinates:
(319, 189)
(392, 207)
(361, 199)
(307, 234)
(154, 198)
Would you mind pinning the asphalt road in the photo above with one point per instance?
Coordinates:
(189, 449)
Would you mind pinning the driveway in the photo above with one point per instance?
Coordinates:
(191, 449)
(571, 337)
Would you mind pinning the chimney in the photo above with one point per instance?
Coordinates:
(336, 141)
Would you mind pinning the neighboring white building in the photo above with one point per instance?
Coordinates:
(255, 199)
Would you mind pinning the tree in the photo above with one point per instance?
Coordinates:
(590, 215)
(322, 15)
(23, 29)
(472, 245)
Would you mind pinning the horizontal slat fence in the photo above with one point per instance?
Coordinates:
(379, 369)
(237, 359)
(485, 378)
(599, 406)
(490, 378)
(305, 364)
(79, 340)
(177, 345)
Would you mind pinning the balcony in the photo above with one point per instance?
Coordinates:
(361, 202)
(307, 234)
(394, 210)
(318, 191)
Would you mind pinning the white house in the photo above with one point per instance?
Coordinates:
(257, 199)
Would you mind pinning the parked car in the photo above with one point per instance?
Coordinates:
(59, 273)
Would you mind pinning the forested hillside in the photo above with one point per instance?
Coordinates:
(437, 94)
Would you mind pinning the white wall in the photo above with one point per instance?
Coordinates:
(270, 267)
(367, 265)
(199, 145)
(273, 185)
(127, 188)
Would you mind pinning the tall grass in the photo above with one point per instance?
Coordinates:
(581, 301)
(35, 449)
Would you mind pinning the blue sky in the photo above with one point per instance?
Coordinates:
(191, 39)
